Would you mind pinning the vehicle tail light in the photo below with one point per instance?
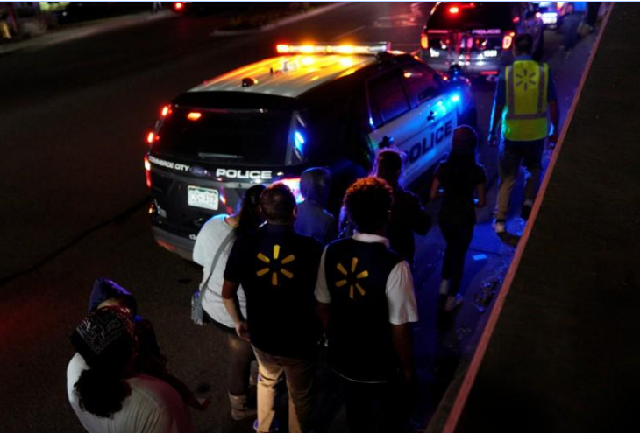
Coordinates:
(150, 138)
(507, 40)
(166, 110)
(147, 171)
(194, 116)
(294, 185)
(424, 41)
(454, 10)
(178, 6)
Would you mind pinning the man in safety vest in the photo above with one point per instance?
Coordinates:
(524, 95)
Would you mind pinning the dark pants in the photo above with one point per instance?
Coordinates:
(512, 155)
(240, 357)
(376, 407)
(458, 238)
(592, 13)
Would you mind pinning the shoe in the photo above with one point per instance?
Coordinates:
(453, 302)
(500, 227)
(274, 426)
(239, 408)
(444, 287)
(526, 209)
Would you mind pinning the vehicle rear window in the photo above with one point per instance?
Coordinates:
(257, 136)
(471, 16)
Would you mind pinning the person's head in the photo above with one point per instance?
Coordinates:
(249, 217)
(107, 292)
(368, 203)
(523, 44)
(278, 204)
(464, 142)
(107, 342)
(314, 185)
(389, 166)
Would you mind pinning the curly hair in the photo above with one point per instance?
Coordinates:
(368, 203)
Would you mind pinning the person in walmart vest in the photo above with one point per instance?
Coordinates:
(525, 97)
(366, 303)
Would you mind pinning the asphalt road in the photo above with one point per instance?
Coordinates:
(73, 198)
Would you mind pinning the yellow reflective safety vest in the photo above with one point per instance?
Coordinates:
(524, 117)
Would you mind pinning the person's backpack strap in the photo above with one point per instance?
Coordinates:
(216, 257)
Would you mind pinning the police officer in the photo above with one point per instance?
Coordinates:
(525, 97)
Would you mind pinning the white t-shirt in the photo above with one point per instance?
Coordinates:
(208, 241)
(402, 299)
(153, 406)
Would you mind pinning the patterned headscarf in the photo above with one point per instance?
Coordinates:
(101, 329)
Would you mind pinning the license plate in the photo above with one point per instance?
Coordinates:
(202, 197)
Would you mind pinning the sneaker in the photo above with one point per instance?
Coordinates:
(444, 287)
(500, 227)
(526, 209)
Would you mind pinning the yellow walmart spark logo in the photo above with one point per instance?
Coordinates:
(352, 278)
(274, 265)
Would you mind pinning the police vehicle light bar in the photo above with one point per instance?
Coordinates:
(380, 47)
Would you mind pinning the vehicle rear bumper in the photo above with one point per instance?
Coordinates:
(174, 243)
(469, 67)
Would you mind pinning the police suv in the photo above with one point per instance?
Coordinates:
(312, 105)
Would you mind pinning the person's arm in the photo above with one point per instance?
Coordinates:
(435, 186)
(402, 311)
(499, 101)
(230, 299)
(323, 297)
(554, 113)
(233, 273)
(403, 344)
(481, 194)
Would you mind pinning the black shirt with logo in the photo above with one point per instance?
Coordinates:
(360, 340)
(277, 269)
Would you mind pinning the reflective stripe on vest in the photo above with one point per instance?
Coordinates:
(525, 116)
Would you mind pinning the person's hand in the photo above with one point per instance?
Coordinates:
(242, 329)
(492, 140)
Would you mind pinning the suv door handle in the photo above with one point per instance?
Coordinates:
(431, 117)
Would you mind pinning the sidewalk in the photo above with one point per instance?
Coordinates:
(82, 30)
(557, 354)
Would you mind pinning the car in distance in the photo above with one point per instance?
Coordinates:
(478, 37)
(312, 105)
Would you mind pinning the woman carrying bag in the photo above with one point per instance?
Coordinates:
(211, 251)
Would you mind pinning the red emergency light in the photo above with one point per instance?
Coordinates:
(507, 40)
(454, 10)
(178, 6)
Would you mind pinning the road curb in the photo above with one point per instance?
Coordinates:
(278, 23)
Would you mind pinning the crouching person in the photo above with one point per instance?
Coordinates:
(104, 389)
(366, 302)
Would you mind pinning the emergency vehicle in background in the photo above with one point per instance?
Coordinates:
(552, 13)
(478, 37)
(312, 105)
